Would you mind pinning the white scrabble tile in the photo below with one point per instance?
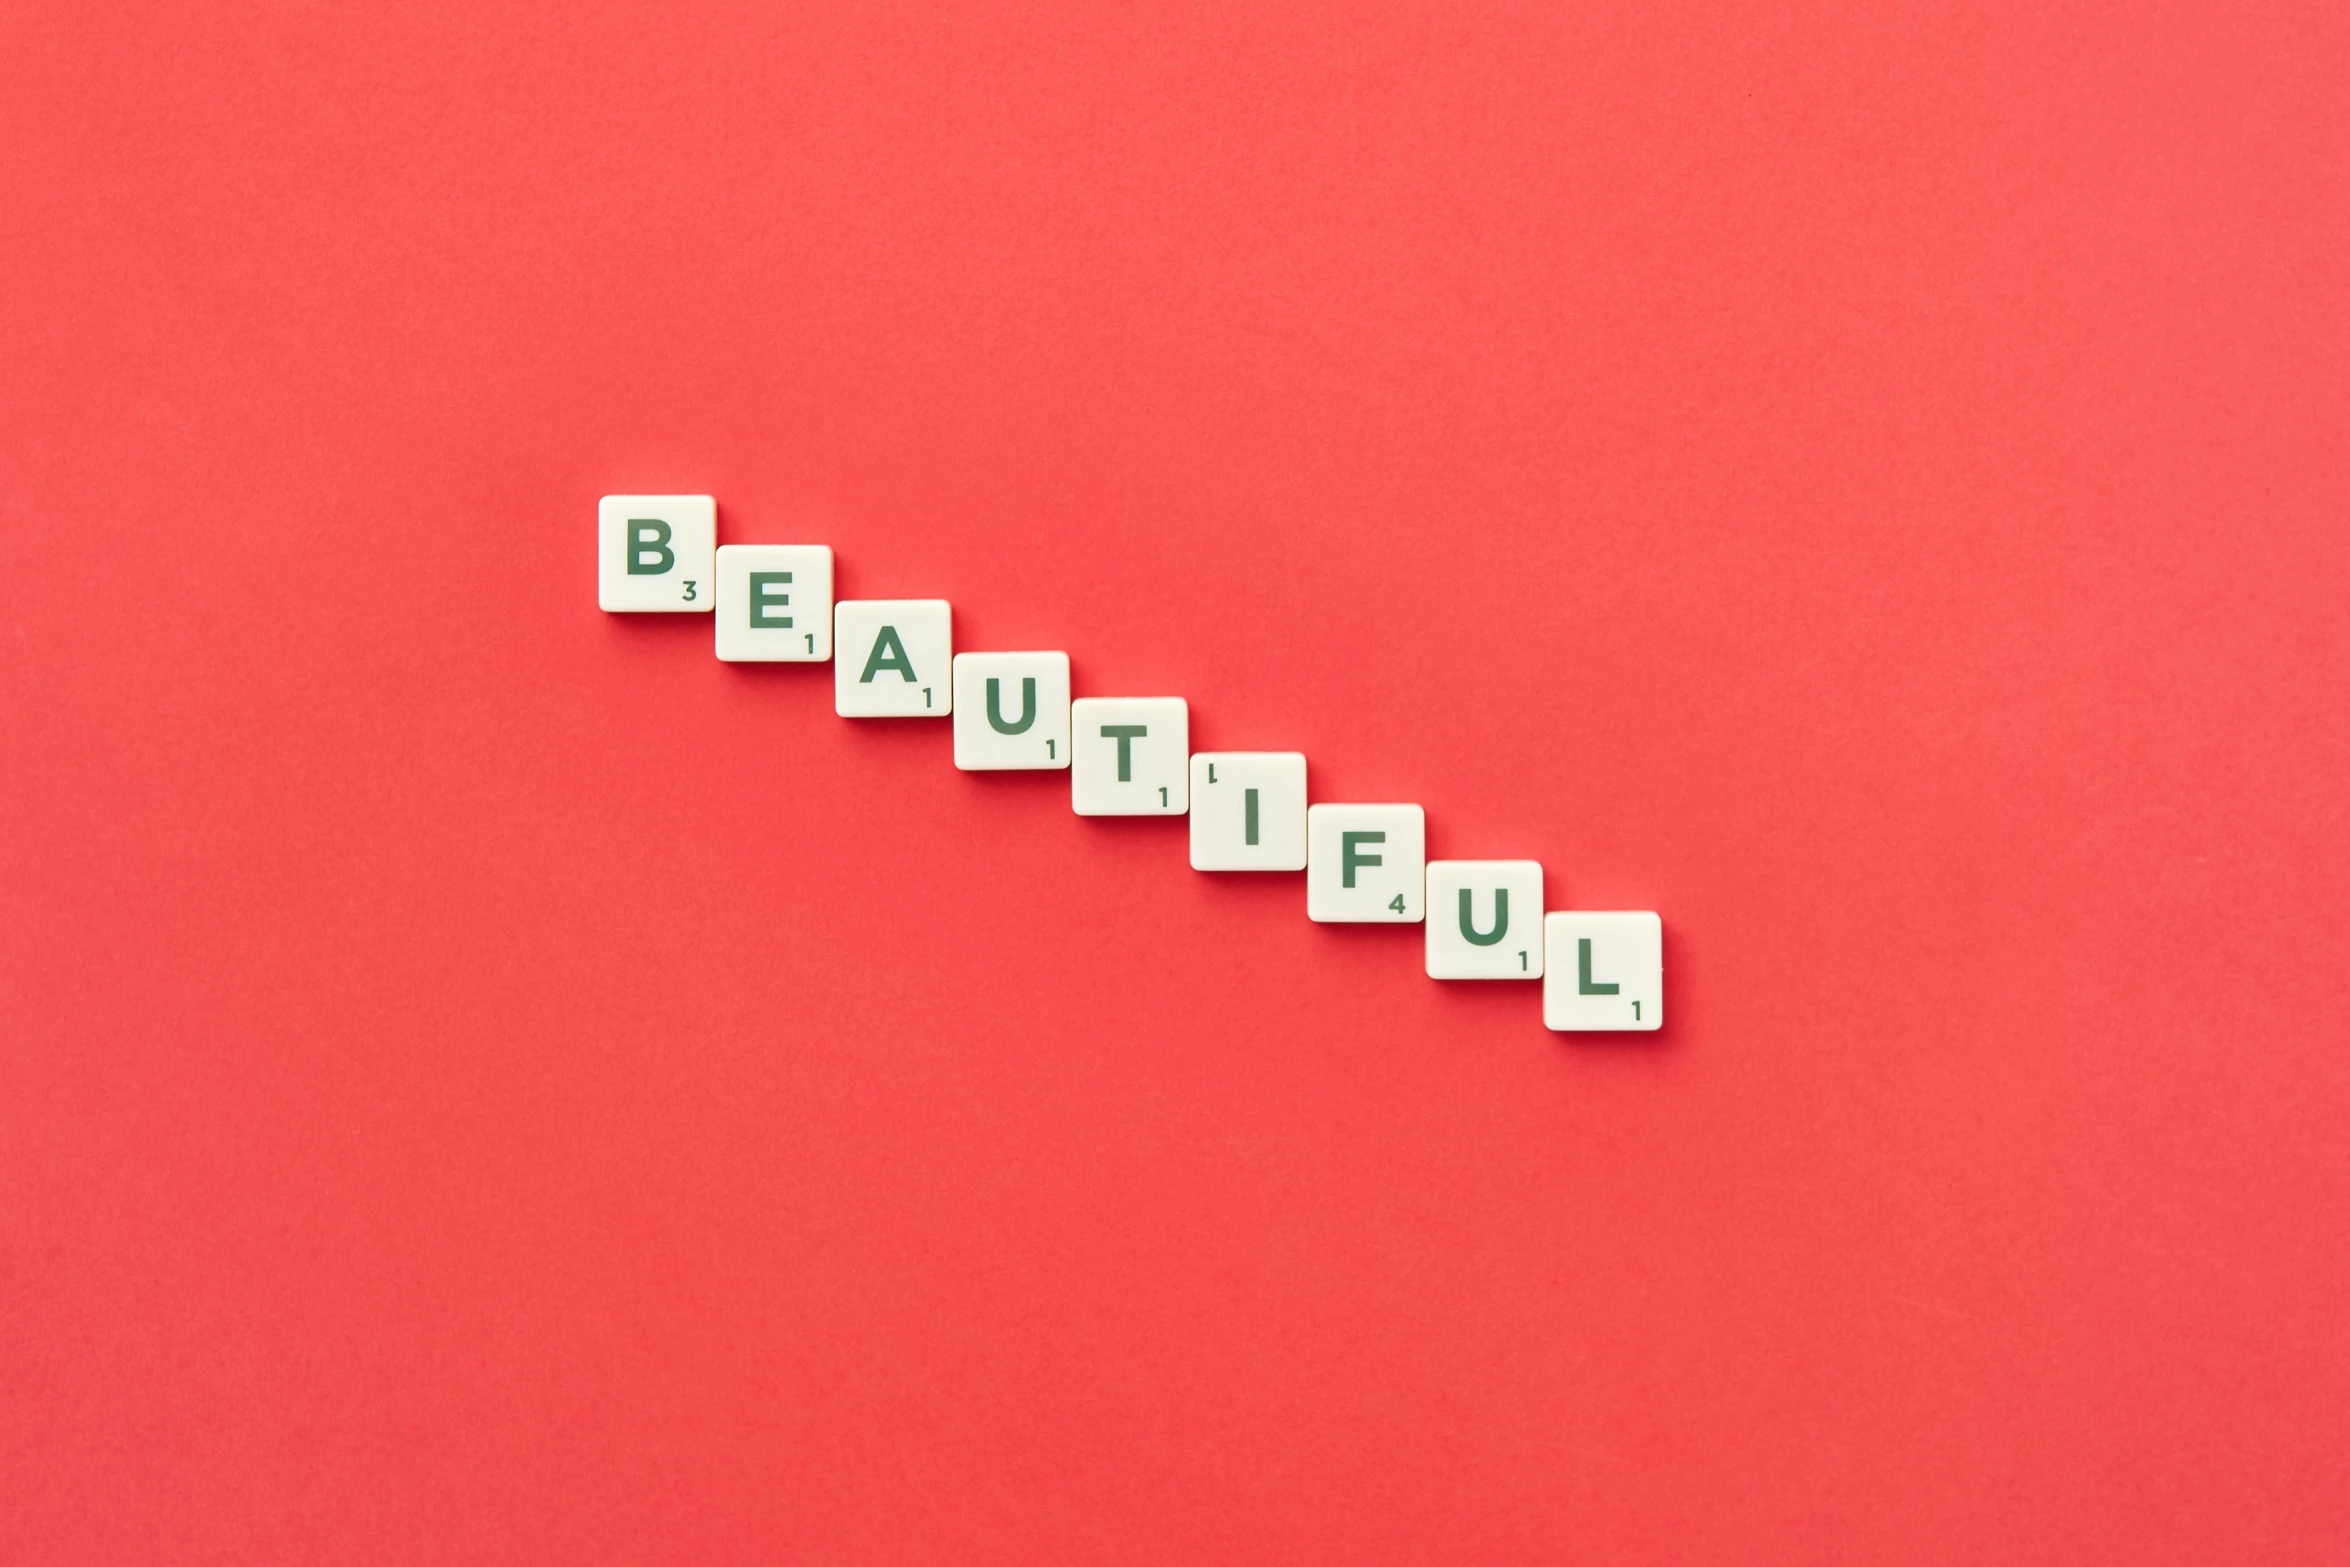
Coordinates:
(1484, 919)
(1366, 863)
(653, 552)
(1248, 811)
(1011, 710)
(774, 603)
(1129, 755)
(893, 658)
(1606, 972)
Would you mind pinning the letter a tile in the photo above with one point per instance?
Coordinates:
(892, 658)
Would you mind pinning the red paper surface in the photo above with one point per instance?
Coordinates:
(484, 1081)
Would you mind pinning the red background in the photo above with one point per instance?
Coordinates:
(485, 1081)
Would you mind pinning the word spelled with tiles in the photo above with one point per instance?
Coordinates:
(1601, 971)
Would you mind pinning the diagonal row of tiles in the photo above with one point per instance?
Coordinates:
(1131, 756)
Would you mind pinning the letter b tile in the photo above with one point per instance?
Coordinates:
(653, 553)
(1366, 864)
(1484, 919)
(1011, 710)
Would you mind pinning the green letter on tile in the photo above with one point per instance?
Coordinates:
(649, 554)
(888, 653)
(1125, 735)
(995, 709)
(762, 601)
(1501, 919)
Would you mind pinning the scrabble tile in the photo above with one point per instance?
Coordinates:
(1366, 864)
(1248, 811)
(774, 603)
(893, 658)
(1604, 972)
(1484, 919)
(1011, 710)
(1129, 755)
(653, 552)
